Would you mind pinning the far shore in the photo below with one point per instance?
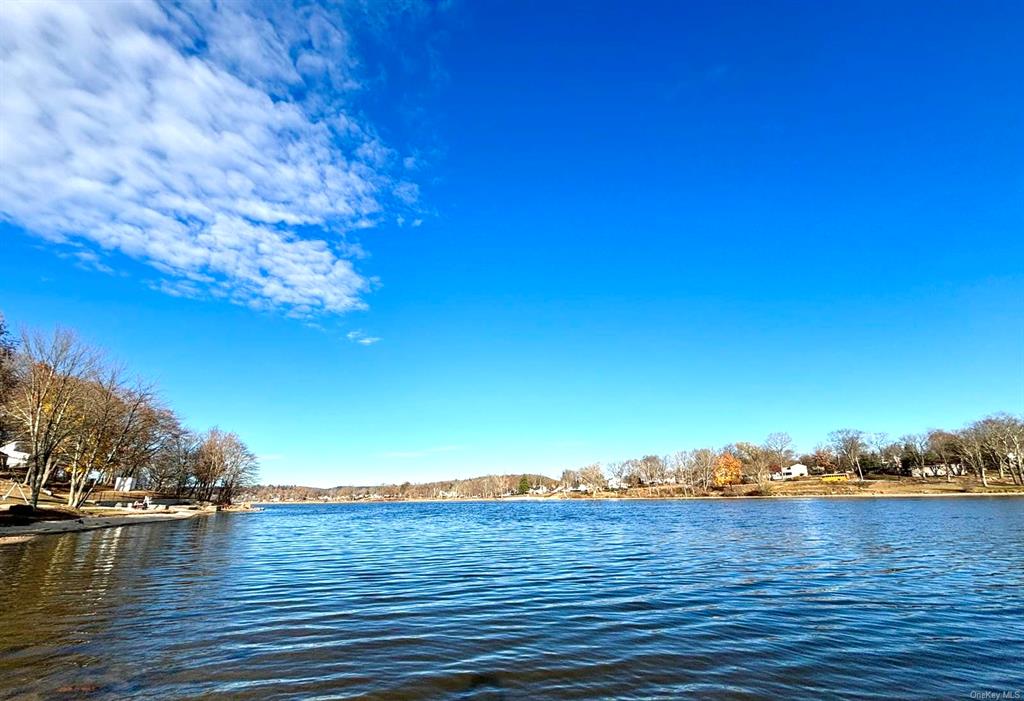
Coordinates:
(676, 497)
(113, 517)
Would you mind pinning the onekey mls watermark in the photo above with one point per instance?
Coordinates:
(1004, 695)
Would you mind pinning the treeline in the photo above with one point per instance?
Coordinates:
(992, 446)
(86, 425)
(486, 487)
(989, 448)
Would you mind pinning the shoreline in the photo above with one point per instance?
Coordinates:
(719, 497)
(10, 535)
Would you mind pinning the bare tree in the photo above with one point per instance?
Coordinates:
(172, 466)
(52, 369)
(1015, 441)
(634, 473)
(592, 477)
(780, 449)
(970, 443)
(617, 471)
(570, 479)
(112, 416)
(679, 467)
(224, 461)
(241, 468)
(943, 445)
(759, 461)
(916, 445)
(878, 443)
(154, 431)
(1005, 435)
(209, 464)
(849, 445)
(889, 454)
(652, 470)
(756, 460)
(704, 462)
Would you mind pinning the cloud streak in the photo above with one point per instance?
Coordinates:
(214, 143)
(361, 338)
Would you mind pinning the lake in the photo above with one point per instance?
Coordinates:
(859, 598)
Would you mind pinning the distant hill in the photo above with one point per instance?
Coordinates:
(473, 487)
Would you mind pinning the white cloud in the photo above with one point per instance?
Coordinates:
(361, 338)
(407, 192)
(212, 142)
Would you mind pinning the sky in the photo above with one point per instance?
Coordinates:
(413, 241)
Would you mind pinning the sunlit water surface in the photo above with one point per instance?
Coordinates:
(887, 598)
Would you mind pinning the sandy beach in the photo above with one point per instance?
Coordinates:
(18, 534)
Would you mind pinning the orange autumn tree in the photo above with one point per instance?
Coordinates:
(728, 470)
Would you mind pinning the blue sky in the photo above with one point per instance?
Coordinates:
(421, 241)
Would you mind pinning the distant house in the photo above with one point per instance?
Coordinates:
(791, 472)
(937, 470)
(11, 458)
(794, 471)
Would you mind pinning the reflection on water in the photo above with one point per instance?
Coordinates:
(524, 600)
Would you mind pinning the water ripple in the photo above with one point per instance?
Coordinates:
(567, 600)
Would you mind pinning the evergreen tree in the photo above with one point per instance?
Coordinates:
(524, 485)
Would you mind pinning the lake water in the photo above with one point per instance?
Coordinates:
(859, 598)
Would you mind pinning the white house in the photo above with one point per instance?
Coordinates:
(12, 458)
(791, 472)
(937, 470)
